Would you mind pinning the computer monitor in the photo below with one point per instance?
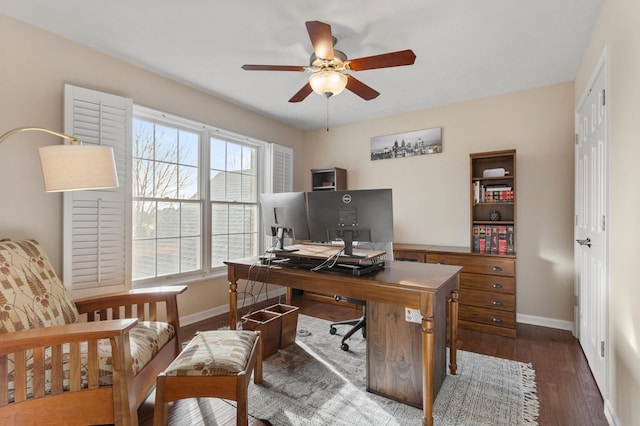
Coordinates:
(359, 215)
(284, 214)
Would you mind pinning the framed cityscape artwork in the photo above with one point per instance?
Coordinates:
(410, 144)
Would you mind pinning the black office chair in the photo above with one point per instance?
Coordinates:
(358, 323)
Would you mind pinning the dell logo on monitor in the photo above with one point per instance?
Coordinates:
(346, 198)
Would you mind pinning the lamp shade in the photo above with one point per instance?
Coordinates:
(328, 83)
(77, 167)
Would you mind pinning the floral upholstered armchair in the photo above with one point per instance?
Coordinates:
(92, 361)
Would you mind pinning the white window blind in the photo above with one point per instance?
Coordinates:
(282, 168)
(97, 236)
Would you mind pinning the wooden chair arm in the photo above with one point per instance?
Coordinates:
(58, 335)
(147, 295)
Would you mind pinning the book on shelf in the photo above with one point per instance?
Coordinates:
(482, 239)
(497, 188)
(476, 238)
(487, 233)
(502, 239)
(494, 240)
(510, 240)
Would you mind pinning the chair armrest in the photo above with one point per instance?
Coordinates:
(58, 335)
(148, 295)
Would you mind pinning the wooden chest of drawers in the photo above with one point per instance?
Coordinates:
(487, 285)
(487, 291)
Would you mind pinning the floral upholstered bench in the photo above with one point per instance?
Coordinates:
(215, 364)
(77, 362)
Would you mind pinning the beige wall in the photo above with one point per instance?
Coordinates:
(34, 67)
(617, 28)
(431, 193)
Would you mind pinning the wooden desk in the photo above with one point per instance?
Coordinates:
(432, 289)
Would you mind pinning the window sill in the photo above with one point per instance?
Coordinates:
(180, 280)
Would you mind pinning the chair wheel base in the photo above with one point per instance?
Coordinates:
(333, 330)
(344, 347)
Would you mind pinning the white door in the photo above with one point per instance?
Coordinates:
(591, 226)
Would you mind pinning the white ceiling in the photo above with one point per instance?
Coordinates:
(466, 49)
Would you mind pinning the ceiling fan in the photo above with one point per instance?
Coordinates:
(329, 66)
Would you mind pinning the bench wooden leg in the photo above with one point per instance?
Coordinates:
(257, 374)
(160, 409)
(242, 401)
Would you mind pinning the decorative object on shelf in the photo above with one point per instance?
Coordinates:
(494, 215)
(74, 166)
(498, 172)
(411, 144)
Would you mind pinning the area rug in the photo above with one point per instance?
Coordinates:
(314, 382)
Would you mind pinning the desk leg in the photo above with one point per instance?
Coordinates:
(428, 345)
(233, 305)
(453, 330)
(289, 295)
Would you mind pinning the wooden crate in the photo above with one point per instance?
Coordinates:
(269, 324)
(289, 327)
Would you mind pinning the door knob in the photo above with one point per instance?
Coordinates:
(586, 242)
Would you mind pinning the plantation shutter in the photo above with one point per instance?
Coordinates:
(97, 223)
(282, 168)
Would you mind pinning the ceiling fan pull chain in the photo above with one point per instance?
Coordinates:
(327, 113)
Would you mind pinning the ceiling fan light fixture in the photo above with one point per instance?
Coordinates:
(328, 83)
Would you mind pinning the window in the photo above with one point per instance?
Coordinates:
(167, 207)
(234, 201)
(195, 197)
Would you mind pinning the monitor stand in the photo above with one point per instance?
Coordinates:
(347, 238)
(279, 247)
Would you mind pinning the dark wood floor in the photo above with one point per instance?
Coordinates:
(567, 392)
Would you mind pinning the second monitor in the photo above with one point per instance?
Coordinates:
(283, 214)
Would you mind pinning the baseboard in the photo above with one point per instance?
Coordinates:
(224, 309)
(545, 322)
(610, 414)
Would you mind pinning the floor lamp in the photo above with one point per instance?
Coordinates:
(73, 166)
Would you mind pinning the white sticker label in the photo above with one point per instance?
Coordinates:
(412, 315)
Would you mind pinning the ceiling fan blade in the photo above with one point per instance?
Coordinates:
(273, 68)
(321, 39)
(386, 60)
(361, 89)
(302, 93)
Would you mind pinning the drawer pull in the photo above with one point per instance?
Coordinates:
(496, 303)
(496, 269)
(407, 259)
(496, 285)
(441, 263)
(496, 320)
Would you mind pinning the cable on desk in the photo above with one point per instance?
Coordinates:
(330, 261)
